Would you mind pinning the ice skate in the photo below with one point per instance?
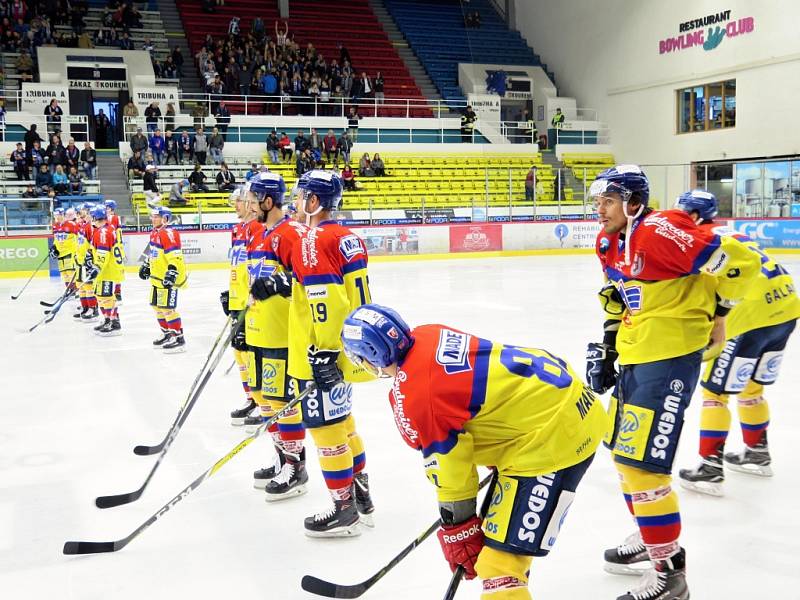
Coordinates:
(667, 581)
(239, 415)
(364, 500)
(706, 478)
(291, 481)
(263, 476)
(629, 558)
(753, 460)
(340, 520)
(175, 345)
(166, 336)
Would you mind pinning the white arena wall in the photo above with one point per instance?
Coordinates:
(606, 54)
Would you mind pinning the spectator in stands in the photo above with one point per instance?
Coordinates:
(149, 184)
(148, 47)
(55, 153)
(20, 161)
(170, 147)
(60, 181)
(254, 170)
(44, 182)
(378, 166)
(530, 184)
(558, 119)
(125, 42)
(282, 37)
(329, 144)
(31, 136)
(468, 125)
(72, 155)
(177, 58)
(139, 141)
(88, 160)
(226, 180)
(176, 197)
(285, 145)
(53, 113)
(169, 119)
(377, 85)
(36, 157)
(364, 168)
(272, 147)
(223, 117)
(136, 165)
(347, 78)
(130, 110)
(345, 145)
(102, 126)
(152, 116)
(300, 142)
(233, 27)
(25, 66)
(349, 178)
(186, 148)
(304, 162)
(157, 147)
(200, 146)
(197, 179)
(75, 182)
(472, 19)
(364, 87)
(352, 123)
(215, 145)
(29, 192)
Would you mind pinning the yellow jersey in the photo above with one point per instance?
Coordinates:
(107, 254)
(165, 251)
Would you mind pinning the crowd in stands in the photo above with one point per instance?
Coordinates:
(255, 63)
(56, 169)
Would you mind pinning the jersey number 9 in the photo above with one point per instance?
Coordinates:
(319, 312)
(118, 255)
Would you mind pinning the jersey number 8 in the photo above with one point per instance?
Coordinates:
(525, 364)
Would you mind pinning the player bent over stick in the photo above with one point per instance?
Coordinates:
(670, 286)
(464, 401)
(167, 271)
(330, 279)
(234, 299)
(757, 331)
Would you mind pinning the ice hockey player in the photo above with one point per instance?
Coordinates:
(266, 333)
(105, 268)
(113, 220)
(167, 272)
(234, 299)
(330, 280)
(757, 330)
(465, 402)
(669, 287)
(65, 242)
(88, 301)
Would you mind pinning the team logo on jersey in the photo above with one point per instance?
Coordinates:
(350, 246)
(665, 229)
(632, 296)
(276, 241)
(453, 351)
(638, 264)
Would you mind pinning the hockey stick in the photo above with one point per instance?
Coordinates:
(47, 304)
(228, 370)
(150, 450)
(118, 499)
(51, 314)
(41, 264)
(458, 574)
(99, 547)
(327, 589)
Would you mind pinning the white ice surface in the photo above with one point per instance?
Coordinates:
(72, 407)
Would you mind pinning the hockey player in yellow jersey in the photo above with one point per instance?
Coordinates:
(88, 301)
(167, 272)
(65, 243)
(670, 287)
(757, 331)
(266, 333)
(465, 402)
(234, 299)
(105, 268)
(330, 279)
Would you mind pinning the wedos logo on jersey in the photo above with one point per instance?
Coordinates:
(453, 351)
(350, 246)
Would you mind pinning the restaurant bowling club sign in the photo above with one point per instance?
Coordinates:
(707, 32)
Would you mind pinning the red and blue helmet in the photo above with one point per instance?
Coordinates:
(376, 334)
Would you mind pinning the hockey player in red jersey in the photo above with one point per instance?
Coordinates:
(114, 221)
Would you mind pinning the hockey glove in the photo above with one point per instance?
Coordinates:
(144, 272)
(92, 272)
(170, 277)
(277, 284)
(239, 341)
(224, 299)
(327, 374)
(54, 252)
(461, 545)
(600, 372)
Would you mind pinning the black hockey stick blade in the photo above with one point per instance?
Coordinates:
(148, 450)
(118, 499)
(47, 304)
(72, 548)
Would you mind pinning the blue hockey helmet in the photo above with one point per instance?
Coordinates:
(268, 184)
(98, 212)
(700, 201)
(325, 185)
(629, 181)
(58, 211)
(164, 213)
(110, 204)
(376, 334)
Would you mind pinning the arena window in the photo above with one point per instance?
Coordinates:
(706, 107)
